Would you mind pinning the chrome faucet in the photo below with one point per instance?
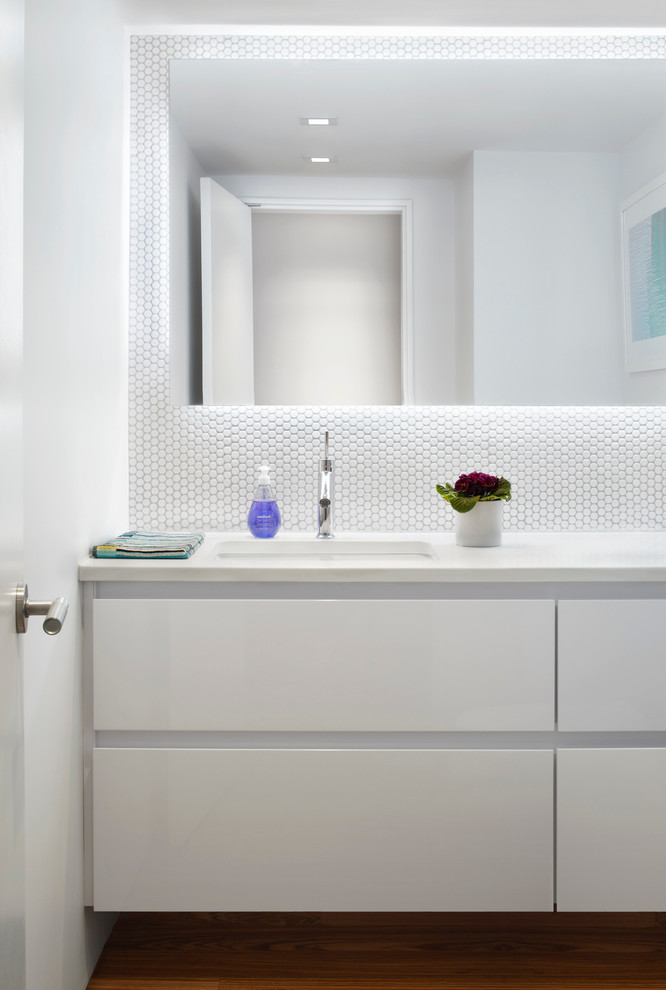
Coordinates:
(325, 506)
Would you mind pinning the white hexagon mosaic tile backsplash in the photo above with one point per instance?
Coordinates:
(573, 468)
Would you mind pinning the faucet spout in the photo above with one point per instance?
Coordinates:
(325, 501)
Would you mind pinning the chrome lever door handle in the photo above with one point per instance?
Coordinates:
(54, 611)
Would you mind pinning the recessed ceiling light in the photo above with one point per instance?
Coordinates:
(319, 161)
(319, 121)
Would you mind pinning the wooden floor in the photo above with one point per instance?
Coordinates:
(383, 952)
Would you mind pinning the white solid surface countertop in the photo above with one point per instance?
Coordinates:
(403, 557)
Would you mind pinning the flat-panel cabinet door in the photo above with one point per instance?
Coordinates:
(325, 830)
(611, 666)
(324, 665)
(611, 830)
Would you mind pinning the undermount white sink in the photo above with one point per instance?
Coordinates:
(310, 548)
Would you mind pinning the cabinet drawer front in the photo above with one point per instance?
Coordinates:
(328, 830)
(611, 823)
(324, 665)
(612, 666)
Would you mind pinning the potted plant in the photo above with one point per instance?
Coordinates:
(478, 500)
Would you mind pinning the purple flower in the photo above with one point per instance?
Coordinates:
(476, 483)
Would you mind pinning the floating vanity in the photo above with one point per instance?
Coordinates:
(373, 724)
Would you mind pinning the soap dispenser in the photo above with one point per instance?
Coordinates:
(264, 516)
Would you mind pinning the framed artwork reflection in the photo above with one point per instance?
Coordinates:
(644, 266)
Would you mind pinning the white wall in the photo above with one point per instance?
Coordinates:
(547, 301)
(433, 260)
(641, 161)
(75, 434)
(184, 270)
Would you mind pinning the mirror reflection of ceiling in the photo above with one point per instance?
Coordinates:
(406, 117)
(610, 14)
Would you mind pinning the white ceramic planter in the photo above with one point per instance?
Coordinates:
(481, 526)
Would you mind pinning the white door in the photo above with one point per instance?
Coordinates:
(226, 299)
(12, 904)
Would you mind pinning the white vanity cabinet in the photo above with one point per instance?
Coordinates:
(611, 829)
(611, 799)
(321, 747)
(612, 665)
(262, 754)
(323, 665)
(327, 829)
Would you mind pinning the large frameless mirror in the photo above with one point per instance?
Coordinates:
(452, 234)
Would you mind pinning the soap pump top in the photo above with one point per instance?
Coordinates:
(264, 475)
(264, 516)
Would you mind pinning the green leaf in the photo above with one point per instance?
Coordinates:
(463, 503)
(446, 491)
(503, 490)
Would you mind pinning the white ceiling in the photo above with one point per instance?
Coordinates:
(466, 13)
(419, 118)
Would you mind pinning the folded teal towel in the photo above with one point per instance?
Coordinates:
(140, 546)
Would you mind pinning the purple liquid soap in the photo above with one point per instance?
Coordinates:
(264, 516)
